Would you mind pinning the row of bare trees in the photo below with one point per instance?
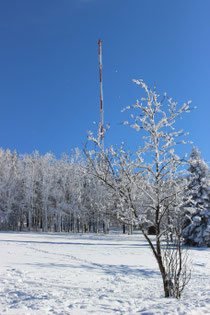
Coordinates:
(43, 193)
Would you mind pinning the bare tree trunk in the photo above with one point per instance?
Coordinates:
(97, 225)
(45, 219)
(59, 221)
(78, 223)
(130, 229)
(123, 228)
(29, 219)
(106, 226)
(89, 224)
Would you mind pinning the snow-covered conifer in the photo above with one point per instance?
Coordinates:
(197, 211)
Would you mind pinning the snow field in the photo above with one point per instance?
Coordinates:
(73, 274)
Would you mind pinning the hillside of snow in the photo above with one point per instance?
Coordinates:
(73, 274)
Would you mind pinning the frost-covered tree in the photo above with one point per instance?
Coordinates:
(47, 166)
(147, 184)
(197, 211)
(29, 176)
(10, 208)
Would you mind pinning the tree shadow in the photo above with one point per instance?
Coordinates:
(107, 269)
(77, 243)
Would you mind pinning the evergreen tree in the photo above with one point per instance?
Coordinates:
(197, 212)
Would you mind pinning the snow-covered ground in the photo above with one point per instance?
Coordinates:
(92, 274)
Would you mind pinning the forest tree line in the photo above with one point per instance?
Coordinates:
(43, 193)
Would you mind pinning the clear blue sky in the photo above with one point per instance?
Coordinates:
(49, 80)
